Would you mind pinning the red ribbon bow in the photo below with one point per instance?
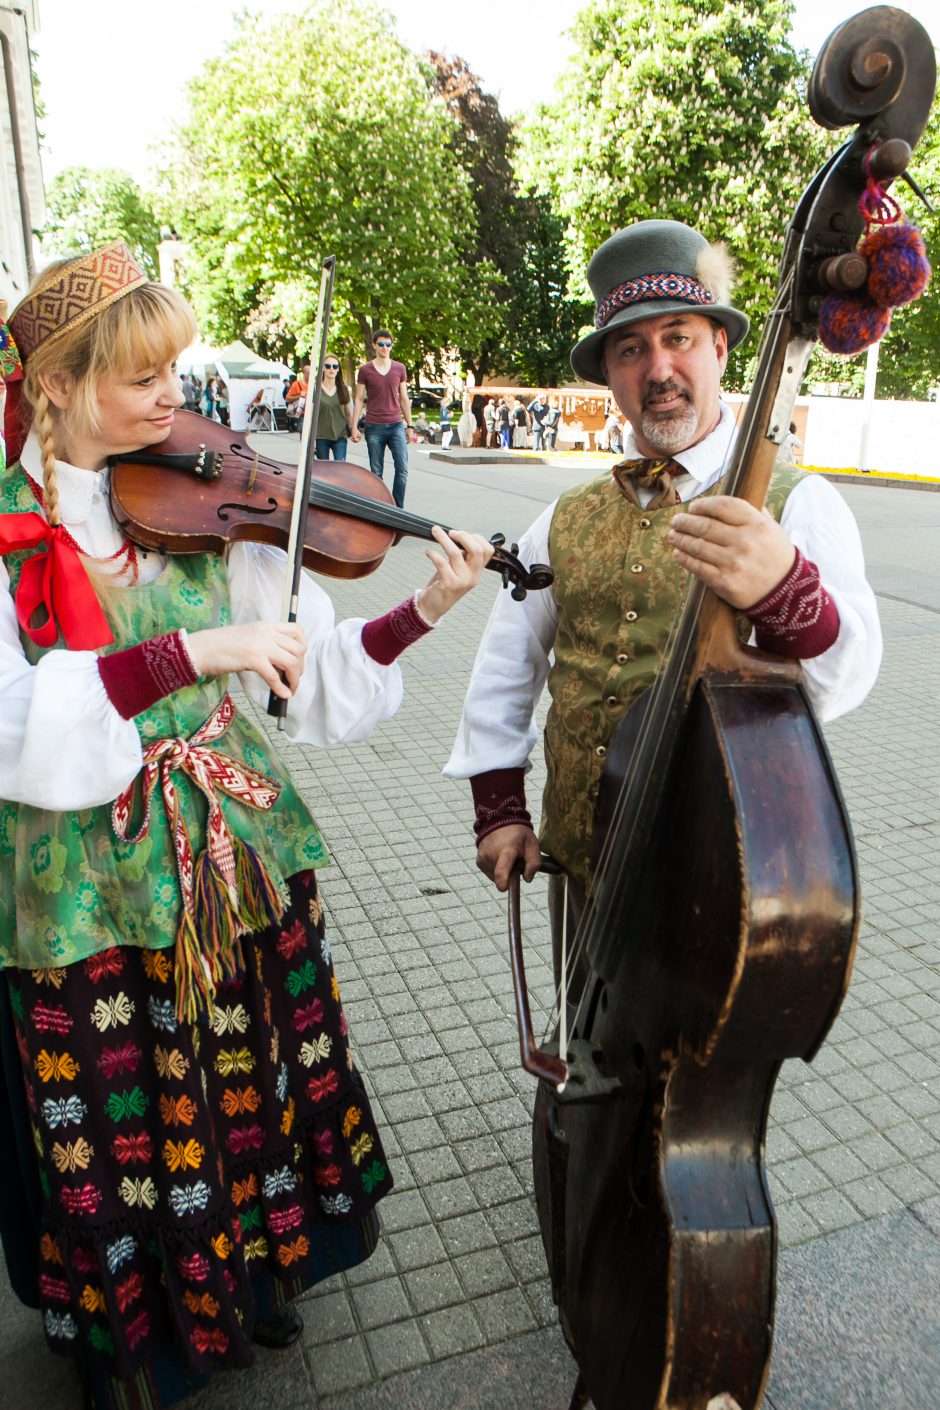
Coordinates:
(56, 582)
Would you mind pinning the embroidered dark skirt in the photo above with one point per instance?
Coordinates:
(193, 1176)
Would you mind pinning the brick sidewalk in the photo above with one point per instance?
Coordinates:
(421, 955)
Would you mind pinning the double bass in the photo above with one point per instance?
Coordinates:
(703, 978)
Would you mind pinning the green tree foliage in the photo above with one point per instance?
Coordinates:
(909, 364)
(319, 138)
(87, 207)
(482, 143)
(518, 236)
(545, 320)
(689, 110)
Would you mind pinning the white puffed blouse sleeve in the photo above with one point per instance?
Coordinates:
(343, 694)
(64, 746)
(62, 743)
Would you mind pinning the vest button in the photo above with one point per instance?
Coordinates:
(622, 657)
(644, 523)
(636, 568)
(629, 617)
(601, 751)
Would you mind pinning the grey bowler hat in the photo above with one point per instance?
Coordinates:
(652, 268)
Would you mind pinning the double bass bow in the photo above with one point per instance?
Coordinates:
(704, 976)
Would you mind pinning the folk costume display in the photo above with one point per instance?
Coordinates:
(600, 636)
(192, 1145)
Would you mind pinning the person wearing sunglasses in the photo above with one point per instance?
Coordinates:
(334, 421)
(382, 386)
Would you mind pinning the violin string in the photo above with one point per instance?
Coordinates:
(337, 500)
(325, 496)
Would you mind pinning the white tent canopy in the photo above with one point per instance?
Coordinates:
(241, 369)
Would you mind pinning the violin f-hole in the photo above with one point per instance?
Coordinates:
(269, 507)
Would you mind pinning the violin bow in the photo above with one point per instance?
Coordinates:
(308, 446)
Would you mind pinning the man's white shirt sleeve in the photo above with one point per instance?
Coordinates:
(497, 729)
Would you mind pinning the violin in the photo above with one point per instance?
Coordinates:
(205, 487)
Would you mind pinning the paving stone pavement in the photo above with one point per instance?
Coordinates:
(453, 1310)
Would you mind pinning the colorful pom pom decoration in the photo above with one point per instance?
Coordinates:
(898, 268)
(849, 323)
(898, 272)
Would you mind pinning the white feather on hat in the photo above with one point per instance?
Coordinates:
(715, 269)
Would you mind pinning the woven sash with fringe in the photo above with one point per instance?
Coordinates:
(227, 891)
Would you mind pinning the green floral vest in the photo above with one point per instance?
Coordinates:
(617, 591)
(68, 886)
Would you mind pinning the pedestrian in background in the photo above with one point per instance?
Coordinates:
(382, 386)
(334, 421)
(505, 423)
(520, 425)
(489, 421)
(538, 410)
(294, 399)
(189, 392)
(550, 424)
(446, 431)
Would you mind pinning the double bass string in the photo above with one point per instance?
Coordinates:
(654, 726)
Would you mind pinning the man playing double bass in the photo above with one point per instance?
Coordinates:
(621, 546)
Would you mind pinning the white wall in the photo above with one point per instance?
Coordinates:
(13, 272)
(904, 439)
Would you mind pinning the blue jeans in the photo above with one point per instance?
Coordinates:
(504, 437)
(393, 436)
(537, 433)
(337, 447)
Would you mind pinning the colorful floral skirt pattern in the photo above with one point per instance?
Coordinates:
(179, 1162)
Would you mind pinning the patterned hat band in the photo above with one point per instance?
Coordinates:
(678, 287)
(69, 296)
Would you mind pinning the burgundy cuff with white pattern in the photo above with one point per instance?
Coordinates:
(798, 618)
(385, 638)
(499, 800)
(138, 677)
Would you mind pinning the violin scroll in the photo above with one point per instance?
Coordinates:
(511, 569)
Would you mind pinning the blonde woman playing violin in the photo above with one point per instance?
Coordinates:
(206, 1149)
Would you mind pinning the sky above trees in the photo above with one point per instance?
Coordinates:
(131, 91)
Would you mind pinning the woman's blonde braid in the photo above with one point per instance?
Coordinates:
(42, 420)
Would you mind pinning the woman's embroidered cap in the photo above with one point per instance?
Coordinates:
(651, 268)
(71, 294)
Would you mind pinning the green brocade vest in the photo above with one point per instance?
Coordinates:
(68, 886)
(617, 591)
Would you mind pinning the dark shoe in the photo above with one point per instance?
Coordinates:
(281, 1330)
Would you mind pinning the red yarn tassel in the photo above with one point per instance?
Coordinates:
(898, 272)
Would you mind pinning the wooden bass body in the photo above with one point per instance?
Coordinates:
(652, 1194)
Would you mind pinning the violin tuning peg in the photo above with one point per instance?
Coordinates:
(514, 548)
(497, 540)
(519, 594)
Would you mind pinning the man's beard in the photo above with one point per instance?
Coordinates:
(673, 433)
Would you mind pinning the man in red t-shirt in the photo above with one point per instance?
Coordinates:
(388, 413)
